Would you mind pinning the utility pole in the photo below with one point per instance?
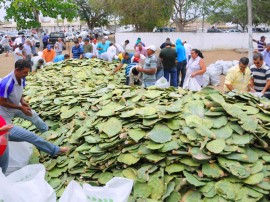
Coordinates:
(250, 44)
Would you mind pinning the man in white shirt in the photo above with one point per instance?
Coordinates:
(27, 47)
(18, 41)
(19, 53)
(33, 42)
(37, 63)
(266, 55)
(109, 54)
(5, 44)
(95, 51)
(188, 49)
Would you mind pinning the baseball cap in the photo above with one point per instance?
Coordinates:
(49, 47)
(151, 47)
(105, 37)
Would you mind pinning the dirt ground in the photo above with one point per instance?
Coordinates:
(7, 63)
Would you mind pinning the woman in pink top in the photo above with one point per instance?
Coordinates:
(141, 50)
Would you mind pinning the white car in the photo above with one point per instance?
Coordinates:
(106, 32)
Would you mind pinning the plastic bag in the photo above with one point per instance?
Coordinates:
(117, 189)
(214, 75)
(19, 155)
(219, 66)
(26, 185)
(226, 66)
(162, 83)
(191, 84)
(73, 193)
(206, 79)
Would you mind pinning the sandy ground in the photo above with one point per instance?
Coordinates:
(7, 63)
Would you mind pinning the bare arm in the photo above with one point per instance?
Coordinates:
(201, 71)
(150, 71)
(5, 103)
(118, 68)
(267, 86)
(251, 85)
(230, 87)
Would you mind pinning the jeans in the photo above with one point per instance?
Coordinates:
(171, 73)
(18, 134)
(148, 83)
(181, 68)
(159, 74)
(127, 81)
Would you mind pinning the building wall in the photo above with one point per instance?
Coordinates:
(203, 41)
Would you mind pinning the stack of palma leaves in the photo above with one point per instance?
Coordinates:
(176, 145)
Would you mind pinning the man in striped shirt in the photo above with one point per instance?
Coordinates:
(261, 44)
(260, 76)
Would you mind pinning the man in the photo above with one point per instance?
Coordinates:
(45, 41)
(77, 50)
(188, 49)
(260, 76)
(110, 54)
(135, 77)
(140, 49)
(33, 44)
(168, 57)
(101, 47)
(48, 54)
(160, 70)
(58, 48)
(80, 41)
(37, 62)
(125, 61)
(13, 105)
(139, 40)
(61, 58)
(87, 47)
(19, 53)
(238, 77)
(124, 46)
(168, 40)
(107, 42)
(18, 41)
(5, 44)
(266, 54)
(95, 51)
(27, 47)
(182, 61)
(261, 44)
(150, 67)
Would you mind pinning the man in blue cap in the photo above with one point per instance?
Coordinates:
(48, 54)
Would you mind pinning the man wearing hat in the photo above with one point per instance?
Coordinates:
(261, 44)
(48, 54)
(150, 67)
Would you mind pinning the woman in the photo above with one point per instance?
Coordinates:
(196, 66)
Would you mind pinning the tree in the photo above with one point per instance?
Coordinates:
(185, 12)
(26, 12)
(94, 13)
(235, 11)
(145, 15)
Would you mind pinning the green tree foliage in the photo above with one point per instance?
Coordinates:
(235, 11)
(145, 15)
(26, 12)
(185, 12)
(94, 13)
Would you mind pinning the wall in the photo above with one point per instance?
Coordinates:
(203, 41)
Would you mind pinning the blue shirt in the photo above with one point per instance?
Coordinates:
(103, 46)
(128, 61)
(45, 38)
(266, 57)
(77, 52)
(59, 58)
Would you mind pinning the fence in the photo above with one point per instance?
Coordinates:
(203, 41)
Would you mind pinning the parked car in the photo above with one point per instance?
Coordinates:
(261, 30)
(233, 30)
(12, 35)
(53, 37)
(166, 29)
(2, 33)
(70, 36)
(99, 31)
(106, 32)
(214, 30)
(201, 30)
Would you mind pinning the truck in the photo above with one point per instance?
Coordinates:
(53, 37)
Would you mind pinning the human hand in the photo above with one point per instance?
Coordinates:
(26, 110)
(193, 74)
(25, 103)
(7, 127)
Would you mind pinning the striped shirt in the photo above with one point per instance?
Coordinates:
(129, 67)
(261, 76)
(260, 45)
(10, 89)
